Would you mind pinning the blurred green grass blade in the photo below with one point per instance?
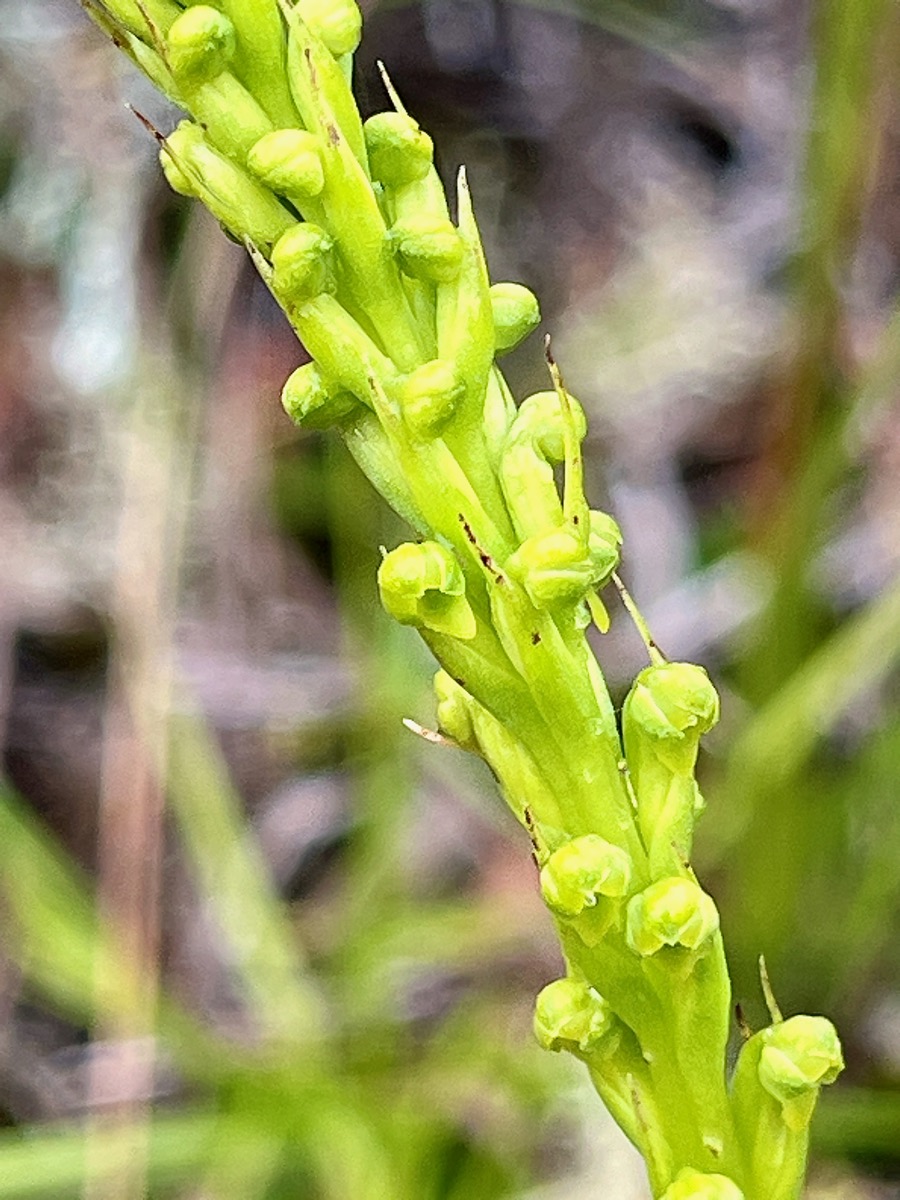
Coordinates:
(857, 1122)
(233, 878)
(778, 741)
(54, 928)
(808, 455)
(52, 1161)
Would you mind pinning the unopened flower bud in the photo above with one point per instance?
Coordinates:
(337, 23)
(695, 1185)
(194, 168)
(670, 912)
(576, 875)
(302, 263)
(555, 568)
(429, 396)
(569, 1015)
(674, 703)
(604, 543)
(454, 711)
(428, 248)
(516, 314)
(422, 584)
(289, 162)
(200, 44)
(399, 151)
(800, 1055)
(311, 403)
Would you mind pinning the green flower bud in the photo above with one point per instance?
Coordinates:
(556, 568)
(583, 881)
(694, 1185)
(670, 912)
(288, 161)
(200, 45)
(429, 396)
(302, 264)
(799, 1055)
(399, 151)
(516, 314)
(194, 168)
(454, 711)
(422, 584)
(338, 23)
(569, 1015)
(311, 403)
(428, 248)
(674, 703)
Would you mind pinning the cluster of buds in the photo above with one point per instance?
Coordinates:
(349, 225)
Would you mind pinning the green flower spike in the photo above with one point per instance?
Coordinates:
(312, 404)
(569, 1015)
(516, 314)
(672, 912)
(669, 708)
(583, 880)
(422, 584)
(694, 1185)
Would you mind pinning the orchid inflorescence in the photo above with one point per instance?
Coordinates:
(348, 223)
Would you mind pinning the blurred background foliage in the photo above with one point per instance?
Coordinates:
(258, 940)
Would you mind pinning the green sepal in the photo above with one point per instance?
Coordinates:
(247, 210)
(289, 162)
(422, 584)
(200, 45)
(570, 1015)
(302, 264)
(399, 151)
(516, 314)
(429, 396)
(312, 403)
(670, 912)
(427, 248)
(337, 23)
(696, 1185)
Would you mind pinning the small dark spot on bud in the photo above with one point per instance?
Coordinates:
(576, 519)
(535, 638)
